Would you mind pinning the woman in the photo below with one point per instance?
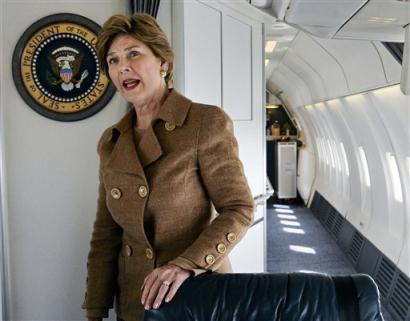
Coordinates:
(161, 167)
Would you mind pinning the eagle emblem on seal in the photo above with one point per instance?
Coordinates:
(65, 63)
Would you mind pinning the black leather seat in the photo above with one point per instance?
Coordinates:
(268, 297)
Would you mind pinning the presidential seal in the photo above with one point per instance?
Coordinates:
(56, 70)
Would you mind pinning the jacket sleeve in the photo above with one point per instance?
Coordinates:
(225, 182)
(102, 263)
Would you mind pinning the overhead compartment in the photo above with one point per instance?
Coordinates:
(321, 18)
(314, 69)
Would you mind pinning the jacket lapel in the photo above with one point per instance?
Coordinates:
(149, 147)
(173, 111)
(124, 157)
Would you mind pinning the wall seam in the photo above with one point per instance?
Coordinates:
(4, 255)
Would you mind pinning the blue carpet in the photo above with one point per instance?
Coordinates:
(297, 242)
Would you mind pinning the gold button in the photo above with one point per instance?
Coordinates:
(116, 193)
(143, 191)
(148, 253)
(169, 127)
(221, 248)
(210, 259)
(128, 250)
(231, 237)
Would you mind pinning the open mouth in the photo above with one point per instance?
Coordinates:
(129, 84)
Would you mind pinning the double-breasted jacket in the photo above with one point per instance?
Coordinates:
(187, 160)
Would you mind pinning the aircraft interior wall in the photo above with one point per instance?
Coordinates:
(355, 134)
(354, 120)
(362, 167)
(50, 179)
(49, 182)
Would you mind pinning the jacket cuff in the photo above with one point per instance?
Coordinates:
(186, 264)
(97, 313)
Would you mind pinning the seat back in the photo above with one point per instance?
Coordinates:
(266, 297)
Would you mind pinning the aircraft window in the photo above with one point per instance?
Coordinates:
(365, 167)
(345, 158)
(408, 165)
(270, 46)
(319, 147)
(326, 152)
(339, 166)
(394, 171)
(331, 153)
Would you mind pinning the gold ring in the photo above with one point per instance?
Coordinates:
(166, 283)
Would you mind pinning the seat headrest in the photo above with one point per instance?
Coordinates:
(265, 297)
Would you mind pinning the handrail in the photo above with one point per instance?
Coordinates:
(261, 198)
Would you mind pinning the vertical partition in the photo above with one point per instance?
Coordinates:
(220, 62)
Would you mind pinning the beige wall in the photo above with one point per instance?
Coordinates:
(49, 181)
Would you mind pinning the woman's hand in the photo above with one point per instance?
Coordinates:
(163, 282)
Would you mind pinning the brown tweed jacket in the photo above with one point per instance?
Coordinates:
(187, 160)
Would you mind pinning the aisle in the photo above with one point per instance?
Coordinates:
(296, 241)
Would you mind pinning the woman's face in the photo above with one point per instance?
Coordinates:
(135, 70)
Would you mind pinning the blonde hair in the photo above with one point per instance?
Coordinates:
(142, 27)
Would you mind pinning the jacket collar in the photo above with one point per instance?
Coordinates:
(174, 111)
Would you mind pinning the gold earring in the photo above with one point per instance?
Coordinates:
(163, 73)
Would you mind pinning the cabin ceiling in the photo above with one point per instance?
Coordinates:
(353, 19)
(328, 49)
(304, 69)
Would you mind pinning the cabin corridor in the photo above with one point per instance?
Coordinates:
(297, 242)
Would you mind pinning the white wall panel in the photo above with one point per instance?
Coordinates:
(248, 251)
(307, 159)
(353, 185)
(337, 181)
(325, 172)
(312, 126)
(287, 80)
(165, 18)
(390, 65)
(393, 110)
(345, 137)
(203, 48)
(326, 65)
(3, 206)
(360, 60)
(310, 76)
(385, 214)
(237, 68)
(379, 122)
(361, 211)
(321, 17)
(222, 46)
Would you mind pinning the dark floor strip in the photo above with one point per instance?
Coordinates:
(297, 242)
